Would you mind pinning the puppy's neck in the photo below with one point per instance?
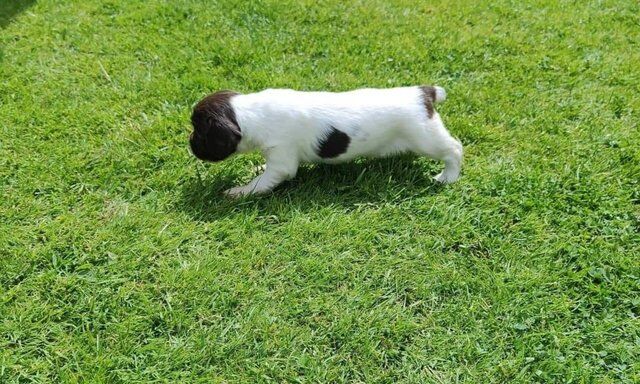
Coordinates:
(250, 122)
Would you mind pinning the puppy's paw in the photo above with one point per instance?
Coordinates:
(237, 192)
(445, 178)
(259, 168)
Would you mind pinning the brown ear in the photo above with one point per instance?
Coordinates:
(233, 127)
(216, 110)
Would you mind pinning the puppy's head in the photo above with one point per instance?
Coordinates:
(216, 132)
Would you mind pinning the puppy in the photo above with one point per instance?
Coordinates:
(290, 127)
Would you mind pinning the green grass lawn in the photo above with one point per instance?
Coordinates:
(121, 262)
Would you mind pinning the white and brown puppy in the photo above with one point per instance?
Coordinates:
(290, 127)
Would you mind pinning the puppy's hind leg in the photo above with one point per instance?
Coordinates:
(452, 164)
(436, 142)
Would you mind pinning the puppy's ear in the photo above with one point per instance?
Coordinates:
(215, 108)
(233, 127)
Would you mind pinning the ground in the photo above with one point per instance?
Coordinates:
(121, 261)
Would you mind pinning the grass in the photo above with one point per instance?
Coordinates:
(120, 261)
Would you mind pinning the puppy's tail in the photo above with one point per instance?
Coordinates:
(433, 94)
(440, 94)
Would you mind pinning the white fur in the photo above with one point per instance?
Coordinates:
(287, 126)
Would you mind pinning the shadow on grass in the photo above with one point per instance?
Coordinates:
(10, 8)
(347, 186)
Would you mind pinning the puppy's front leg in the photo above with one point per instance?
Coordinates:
(280, 167)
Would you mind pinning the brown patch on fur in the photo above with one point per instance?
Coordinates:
(429, 98)
(335, 144)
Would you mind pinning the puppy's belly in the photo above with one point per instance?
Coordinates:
(368, 149)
